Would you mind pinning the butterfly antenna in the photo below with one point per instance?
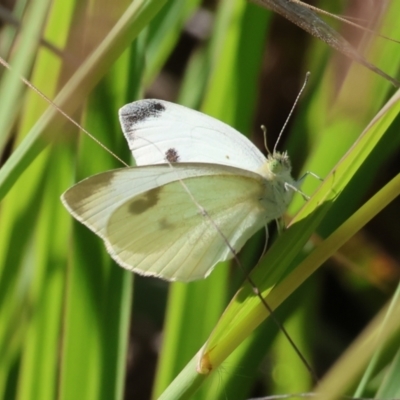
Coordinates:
(264, 130)
(64, 114)
(292, 109)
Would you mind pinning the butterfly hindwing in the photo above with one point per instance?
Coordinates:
(153, 226)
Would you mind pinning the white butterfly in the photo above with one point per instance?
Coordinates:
(194, 174)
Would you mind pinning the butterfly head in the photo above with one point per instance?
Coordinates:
(277, 167)
(279, 163)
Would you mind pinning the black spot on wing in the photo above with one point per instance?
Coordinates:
(145, 201)
(133, 113)
(172, 155)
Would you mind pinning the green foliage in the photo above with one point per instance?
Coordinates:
(65, 307)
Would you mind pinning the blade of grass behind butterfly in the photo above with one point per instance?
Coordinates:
(384, 361)
(11, 87)
(135, 18)
(38, 373)
(31, 279)
(164, 32)
(194, 80)
(232, 43)
(245, 311)
(10, 23)
(287, 373)
(160, 38)
(389, 387)
(384, 329)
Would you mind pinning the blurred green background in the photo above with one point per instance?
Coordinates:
(73, 325)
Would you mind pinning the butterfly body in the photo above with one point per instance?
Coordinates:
(279, 185)
(198, 184)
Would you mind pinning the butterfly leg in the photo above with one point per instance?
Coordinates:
(280, 225)
(265, 246)
(288, 186)
(300, 181)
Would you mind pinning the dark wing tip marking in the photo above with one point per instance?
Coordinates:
(87, 188)
(172, 155)
(133, 113)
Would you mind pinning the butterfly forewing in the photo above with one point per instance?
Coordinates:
(158, 131)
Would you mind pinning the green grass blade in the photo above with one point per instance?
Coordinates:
(32, 272)
(387, 389)
(11, 86)
(384, 327)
